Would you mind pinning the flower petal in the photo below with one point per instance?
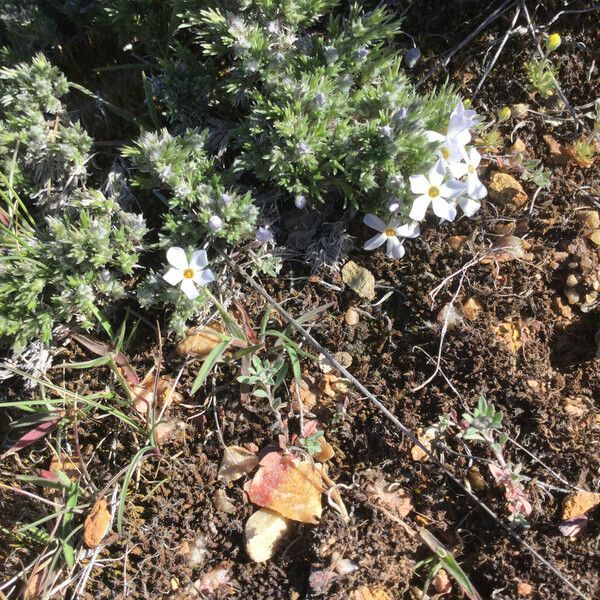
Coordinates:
(458, 169)
(410, 230)
(204, 277)
(173, 276)
(452, 188)
(395, 248)
(469, 206)
(199, 259)
(419, 184)
(374, 222)
(443, 209)
(475, 188)
(434, 136)
(177, 258)
(375, 241)
(461, 138)
(474, 157)
(437, 173)
(188, 287)
(419, 208)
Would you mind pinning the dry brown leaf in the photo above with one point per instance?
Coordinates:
(164, 432)
(507, 249)
(263, 532)
(455, 242)
(524, 589)
(577, 504)
(510, 334)
(396, 501)
(236, 463)
(425, 437)
(370, 593)
(201, 341)
(289, 486)
(575, 406)
(96, 524)
(333, 386)
(307, 390)
(143, 393)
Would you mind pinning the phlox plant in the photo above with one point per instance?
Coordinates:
(65, 268)
(51, 150)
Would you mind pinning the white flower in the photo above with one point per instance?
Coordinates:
(188, 273)
(462, 119)
(432, 190)
(475, 189)
(392, 233)
(215, 223)
(451, 146)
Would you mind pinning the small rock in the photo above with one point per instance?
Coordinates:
(351, 317)
(476, 479)
(519, 111)
(573, 280)
(222, 502)
(518, 148)
(506, 189)
(589, 218)
(557, 153)
(369, 593)
(524, 589)
(577, 504)
(565, 310)
(344, 358)
(572, 296)
(471, 308)
(575, 406)
(359, 279)
(441, 582)
(200, 341)
(164, 432)
(595, 237)
(263, 531)
(412, 57)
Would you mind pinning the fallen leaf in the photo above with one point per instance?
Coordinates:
(441, 583)
(575, 406)
(289, 486)
(164, 432)
(201, 341)
(507, 249)
(33, 435)
(359, 279)
(370, 593)
(326, 451)
(236, 463)
(333, 386)
(556, 151)
(319, 580)
(143, 393)
(66, 465)
(396, 501)
(577, 504)
(96, 524)
(218, 579)
(307, 390)
(263, 532)
(222, 502)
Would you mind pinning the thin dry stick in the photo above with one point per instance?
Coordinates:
(499, 51)
(487, 21)
(402, 428)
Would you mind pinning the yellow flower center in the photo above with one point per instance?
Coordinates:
(188, 274)
(390, 232)
(433, 192)
(471, 169)
(445, 153)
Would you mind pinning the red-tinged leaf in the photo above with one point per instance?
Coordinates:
(49, 475)
(102, 349)
(33, 435)
(247, 326)
(288, 486)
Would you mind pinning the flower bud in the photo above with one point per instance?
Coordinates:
(553, 42)
(300, 201)
(504, 114)
(264, 235)
(226, 199)
(215, 223)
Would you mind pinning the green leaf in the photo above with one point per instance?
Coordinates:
(209, 363)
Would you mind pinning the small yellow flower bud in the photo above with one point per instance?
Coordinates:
(553, 42)
(503, 114)
(467, 102)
